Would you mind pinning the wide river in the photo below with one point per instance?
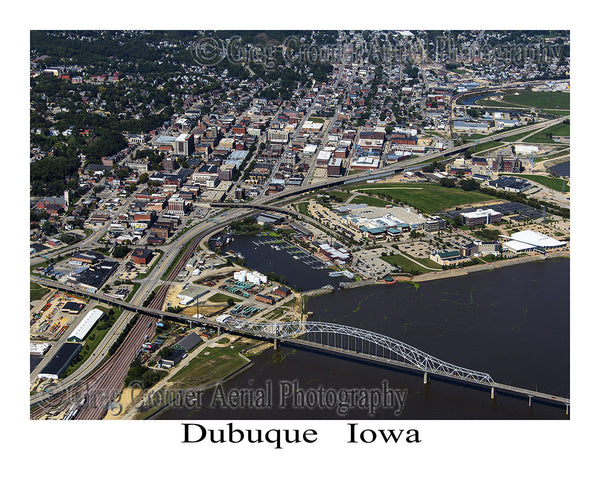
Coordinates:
(512, 323)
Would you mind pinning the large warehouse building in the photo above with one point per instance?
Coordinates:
(86, 325)
(60, 361)
(530, 241)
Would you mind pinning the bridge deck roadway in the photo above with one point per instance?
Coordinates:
(297, 341)
(387, 361)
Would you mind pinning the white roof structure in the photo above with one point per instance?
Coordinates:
(87, 324)
(337, 253)
(528, 239)
(324, 155)
(365, 162)
(526, 149)
(39, 348)
(221, 318)
(480, 212)
(309, 125)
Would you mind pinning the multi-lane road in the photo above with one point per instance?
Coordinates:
(109, 376)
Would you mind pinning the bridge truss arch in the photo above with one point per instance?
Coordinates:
(356, 340)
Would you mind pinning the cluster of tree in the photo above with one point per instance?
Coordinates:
(432, 167)
(48, 176)
(121, 338)
(246, 226)
(177, 309)
(487, 234)
(150, 297)
(69, 238)
(107, 321)
(142, 375)
(473, 112)
(120, 251)
(103, 51)
(466, 184)
(37, 215)
(276, 277)
(49, 228)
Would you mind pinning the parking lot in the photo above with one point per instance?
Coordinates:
(369, 264)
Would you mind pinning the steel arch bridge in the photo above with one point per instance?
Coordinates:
(356, 340)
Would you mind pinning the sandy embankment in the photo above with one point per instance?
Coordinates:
(129, 396)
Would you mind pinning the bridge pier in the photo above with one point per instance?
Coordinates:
(219, 330)
(493, 394)
(425, 378)
(530, 397)
(275, 344)
(567, 412)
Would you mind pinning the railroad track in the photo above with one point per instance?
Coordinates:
(102, 385)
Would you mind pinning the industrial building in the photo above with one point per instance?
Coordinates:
(466, 126)
(86, 325)
(268, 299)
(305, 232)
(73, 308)
(268, 219)
(180, 350)
(254, 277)
(60, 361)
(190, 293)
(521, 149)
(92, 278)
(39, 348)
(86, 257)
(510, 184)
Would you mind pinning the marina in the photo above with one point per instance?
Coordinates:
(295, 251)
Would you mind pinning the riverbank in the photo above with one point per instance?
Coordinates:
(546, 165)
(458, 272)
(436, 275)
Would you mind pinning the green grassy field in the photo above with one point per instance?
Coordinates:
(514, 138)
(222, 298)
(485, 146)
(36, 291)
(560, 153)
(425, 261)
(553, 183)
(372, 202)
(556, 113)
(560, 130)
(406, 265)
(489, 103)
(540, 99)
(339, 196)
(220, 362)
(428, 198)
(303, 208)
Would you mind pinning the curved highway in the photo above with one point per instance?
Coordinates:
(108, 378)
